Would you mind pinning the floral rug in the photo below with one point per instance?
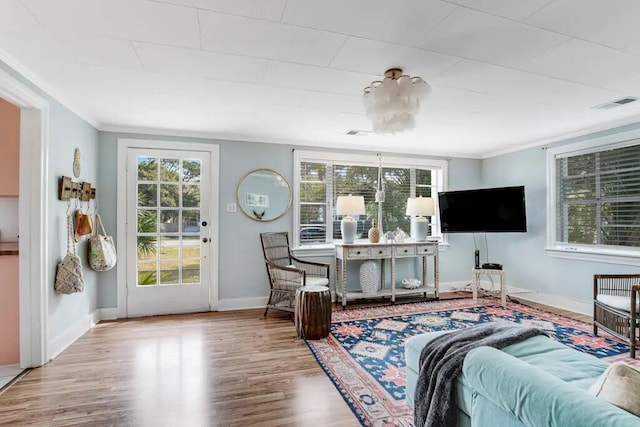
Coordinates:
(364, 354)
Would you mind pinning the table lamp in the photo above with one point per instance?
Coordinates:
(420, 207)
(347, 206)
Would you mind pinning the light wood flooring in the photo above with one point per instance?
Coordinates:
(210, 369)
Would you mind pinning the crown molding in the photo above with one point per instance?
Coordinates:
(45, 87)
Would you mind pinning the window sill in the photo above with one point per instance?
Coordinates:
(607, 256)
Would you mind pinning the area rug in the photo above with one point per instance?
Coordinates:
(364, 354)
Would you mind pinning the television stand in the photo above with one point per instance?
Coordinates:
(476, 272)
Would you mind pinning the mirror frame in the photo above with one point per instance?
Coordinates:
(253, 217)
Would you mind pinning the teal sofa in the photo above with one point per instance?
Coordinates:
(535, 383)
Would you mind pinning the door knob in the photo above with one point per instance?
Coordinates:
(205, 240)
(204, 223)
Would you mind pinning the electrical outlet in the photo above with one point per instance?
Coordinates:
(232, 207)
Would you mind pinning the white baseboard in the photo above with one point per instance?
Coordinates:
(58, 344)
(242, 303)
(108, 313)
(558, 302)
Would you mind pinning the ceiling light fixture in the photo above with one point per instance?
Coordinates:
(392, 103)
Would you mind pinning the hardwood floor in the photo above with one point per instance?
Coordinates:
(210, 369)
(227, 369)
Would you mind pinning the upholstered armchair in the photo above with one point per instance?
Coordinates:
(286, 273)
(616, 306)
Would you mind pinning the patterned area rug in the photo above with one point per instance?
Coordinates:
(364, 354)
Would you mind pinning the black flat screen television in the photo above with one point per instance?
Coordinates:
(483, 210)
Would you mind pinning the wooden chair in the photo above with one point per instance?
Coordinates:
(615, 306)
(286, 273)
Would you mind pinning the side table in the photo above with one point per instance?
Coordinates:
(312, 315)
(476, 272)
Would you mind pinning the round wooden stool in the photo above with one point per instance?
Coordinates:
(313, 312)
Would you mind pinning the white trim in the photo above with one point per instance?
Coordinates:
(33, 227)
(72, 333)
(558, 301)
(594, 255)
(123, 145)
(45, 87)
(242, 303)
(107, 313)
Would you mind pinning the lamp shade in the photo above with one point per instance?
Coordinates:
(420, 206)
(350, 205)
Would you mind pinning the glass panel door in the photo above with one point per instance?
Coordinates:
(169, 209)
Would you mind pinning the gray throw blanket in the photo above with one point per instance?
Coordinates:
(441, 365)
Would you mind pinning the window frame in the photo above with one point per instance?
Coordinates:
(365, 159)
(585, 252)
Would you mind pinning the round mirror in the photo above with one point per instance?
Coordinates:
(264, 195)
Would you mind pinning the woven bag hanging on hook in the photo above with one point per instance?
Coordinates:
(69, 278)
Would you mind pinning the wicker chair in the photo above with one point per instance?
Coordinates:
(287, 273)
(615, 306)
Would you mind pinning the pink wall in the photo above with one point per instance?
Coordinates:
(9, 175)
(9, 319)
(10, 148)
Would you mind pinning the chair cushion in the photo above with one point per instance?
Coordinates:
(619, 385)
(616, 301)
(317, 281)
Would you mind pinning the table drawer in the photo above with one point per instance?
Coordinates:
(425, 249)
(382, 252)
(405, 251)
(355, 253)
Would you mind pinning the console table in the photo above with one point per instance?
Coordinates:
(476, 272)
(361, 251)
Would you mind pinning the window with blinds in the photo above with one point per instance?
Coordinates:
(598, 197)
(321, 181)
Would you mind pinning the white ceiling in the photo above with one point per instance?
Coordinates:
(505, 73)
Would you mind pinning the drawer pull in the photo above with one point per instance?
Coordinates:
(379, 252)
(358, 252)
(405, 251)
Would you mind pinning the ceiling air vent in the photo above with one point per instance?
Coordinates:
(356, 132)
(616, 103)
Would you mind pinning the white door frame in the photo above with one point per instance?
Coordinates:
(33, 225)
(121, 234)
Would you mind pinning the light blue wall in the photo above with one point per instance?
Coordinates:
(66, 131)
(241, 270)
(523, 254)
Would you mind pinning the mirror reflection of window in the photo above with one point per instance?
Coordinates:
(264, 195)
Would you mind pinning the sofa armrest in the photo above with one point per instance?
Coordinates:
(534, 397)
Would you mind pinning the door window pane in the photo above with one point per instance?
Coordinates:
(147, 274)
(169, 247)
(169, 272)
(169, 221)
(169, 195)
(191, 170)
(190, 196)
(170, 170)
(190, 221)
(148, 195)
(191, 271)
(191, 247)
(147, 169)
(147, 221)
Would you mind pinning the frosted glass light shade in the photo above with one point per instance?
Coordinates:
(392, 103)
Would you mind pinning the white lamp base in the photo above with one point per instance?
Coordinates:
(348, 228)
(421, 226)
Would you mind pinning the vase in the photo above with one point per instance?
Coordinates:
(374, 233)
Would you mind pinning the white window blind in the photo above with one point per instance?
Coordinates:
(598, 197)
(320, 181)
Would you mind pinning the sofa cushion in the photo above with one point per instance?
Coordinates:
(536, 398)
(619, 385)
